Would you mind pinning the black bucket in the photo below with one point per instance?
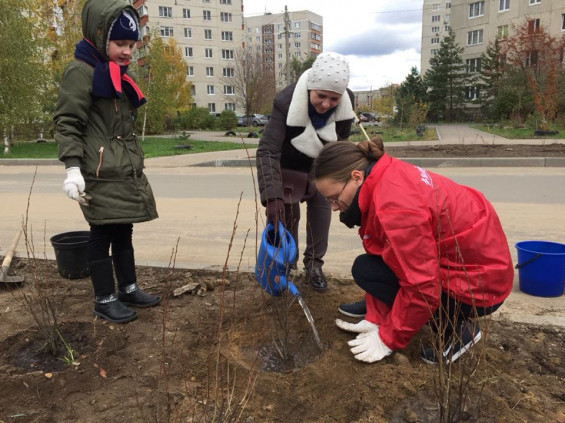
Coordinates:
(71, 254)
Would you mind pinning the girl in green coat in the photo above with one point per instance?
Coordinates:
(94, 130)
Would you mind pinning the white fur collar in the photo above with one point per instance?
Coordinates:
(308, 142)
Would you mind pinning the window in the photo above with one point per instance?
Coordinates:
(297, 45)
(435, 29)
(188, 52)
(448, 5)
(531, 59)
(210, 89)
(476, 9)
(186, 13)
(535, 2)
(207, 34)
(227, 36)
(187, 33)
(165, 12)
(209, 71)
(503, 5)
(229, 72)
(166, 31)
(473, 65)
(447, 28)
(225, 1)
(227, 54)
(296, 25)
(206, 15)
(212, 107)
(435, 40)
(190, 71)
(142, 11)
(436, 6)
(225, 17)
(297, 35)
(563, 22)
(192, 90)
(533, 26)
(229, 90)
(208, 53)
(434, 51)
(446, 18)
(436, 18)
(472, 93)
(229, 106)
(502, 31)
(475, 37)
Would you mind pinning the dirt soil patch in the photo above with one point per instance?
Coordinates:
(478, 150)
(208, 355)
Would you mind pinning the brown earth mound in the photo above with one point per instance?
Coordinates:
(208, 355)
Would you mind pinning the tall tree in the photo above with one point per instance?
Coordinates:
(412, 92)
(298, 67)
(539, 57)
(446, 80)
(20, 66)
(254, 88)
(161, 75)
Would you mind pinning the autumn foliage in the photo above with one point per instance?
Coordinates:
(540, 57)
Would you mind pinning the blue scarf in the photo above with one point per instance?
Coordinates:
(318, 120)
(109, 78)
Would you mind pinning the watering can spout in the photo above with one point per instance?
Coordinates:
(276, 254)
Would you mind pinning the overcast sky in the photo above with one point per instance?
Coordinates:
(381, 38)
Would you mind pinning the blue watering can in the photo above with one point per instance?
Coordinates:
(276, 254)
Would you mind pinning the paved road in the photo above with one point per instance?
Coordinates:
(200, 206)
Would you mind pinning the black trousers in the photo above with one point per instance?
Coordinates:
(118, 236)
(375, 277)
(318, 219)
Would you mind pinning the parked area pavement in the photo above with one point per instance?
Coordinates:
(201, 208)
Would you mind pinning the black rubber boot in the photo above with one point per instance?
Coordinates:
(106, 304)
(112, 310)
(128, 291)
(135, 297)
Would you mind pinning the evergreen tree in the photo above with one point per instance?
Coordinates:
(446, 80)
(412, 91)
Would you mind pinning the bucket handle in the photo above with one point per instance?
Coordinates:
(519, 265)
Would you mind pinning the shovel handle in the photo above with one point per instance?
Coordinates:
(11, 250)
(358, 121)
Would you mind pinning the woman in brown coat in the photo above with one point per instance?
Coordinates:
(316, 110)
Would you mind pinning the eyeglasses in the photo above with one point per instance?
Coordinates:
(336, 200)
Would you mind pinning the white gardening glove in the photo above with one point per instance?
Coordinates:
(74, 185)
(361, 327)
(368, 347)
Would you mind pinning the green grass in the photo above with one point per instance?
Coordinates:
(517, 133)
(392, 134)
(153, 147)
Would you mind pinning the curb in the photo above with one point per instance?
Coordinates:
(423, 162)
(431, 162)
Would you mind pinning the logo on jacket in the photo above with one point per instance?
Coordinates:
(425, 177)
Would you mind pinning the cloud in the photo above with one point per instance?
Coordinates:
(379, 41)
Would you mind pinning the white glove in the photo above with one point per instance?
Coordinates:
(74, 185)
(361, 327)
(368, 347)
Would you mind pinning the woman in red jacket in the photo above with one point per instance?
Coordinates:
(434, 249)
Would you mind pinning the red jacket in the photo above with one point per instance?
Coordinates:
(435, 235)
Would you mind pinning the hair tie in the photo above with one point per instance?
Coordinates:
(370, 155)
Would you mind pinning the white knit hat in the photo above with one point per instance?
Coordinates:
(330, 72)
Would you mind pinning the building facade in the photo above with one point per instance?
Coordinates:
(476, 24)
(267, 33)
(208, 32)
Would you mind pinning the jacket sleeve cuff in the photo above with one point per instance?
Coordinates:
(72, 162)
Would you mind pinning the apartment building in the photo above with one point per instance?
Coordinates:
(208, 32)
(477, 23)
(267, 34)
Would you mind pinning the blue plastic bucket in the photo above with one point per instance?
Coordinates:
(541, 268)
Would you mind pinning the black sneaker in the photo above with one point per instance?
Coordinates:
(468, 334)
(358, 309)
